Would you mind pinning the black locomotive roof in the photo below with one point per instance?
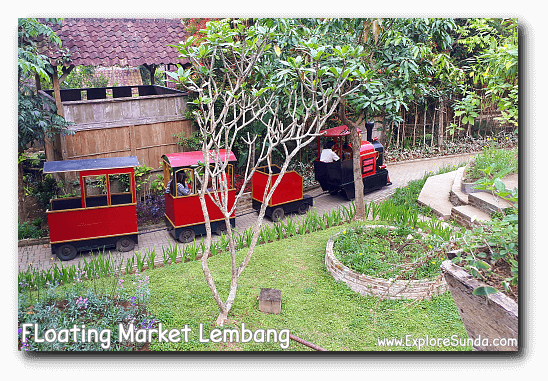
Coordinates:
(90, 164)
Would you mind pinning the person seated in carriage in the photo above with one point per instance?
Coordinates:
(327, 155)
(183, 189)
(347, 151)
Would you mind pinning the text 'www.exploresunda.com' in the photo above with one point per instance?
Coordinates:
(453, 341)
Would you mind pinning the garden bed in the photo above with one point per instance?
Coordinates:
(406, 274)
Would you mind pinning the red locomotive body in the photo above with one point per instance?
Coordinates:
(287, 197)
(183, 213)
(105, 213)
(338, 176)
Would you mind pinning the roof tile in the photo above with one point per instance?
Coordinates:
(108, 42)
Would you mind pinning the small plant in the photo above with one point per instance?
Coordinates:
(302, 226)
(192, 251)
(239, 239)
(214, 248)
(374, 208)
(140, 261)
(170, 252)
(150, 257)
(130, 263)
(290, 227)
(248, 236)
(279, 230)
(327, 219)
(223, 242)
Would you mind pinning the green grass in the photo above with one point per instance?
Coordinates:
(314, 306)
(493, 163)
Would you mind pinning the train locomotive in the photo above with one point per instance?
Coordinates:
(338, 176)
(105, 215)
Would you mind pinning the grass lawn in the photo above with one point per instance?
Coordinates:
(315, 307)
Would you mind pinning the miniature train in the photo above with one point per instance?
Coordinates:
(338, 176)
(105, 215)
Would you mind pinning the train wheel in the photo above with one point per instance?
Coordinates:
(66, 252)
(187, 235)
(125, 244)
(221, 229)
(277, 214)
(303, 208)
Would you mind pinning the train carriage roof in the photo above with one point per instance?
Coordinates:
(336, 131)
(90, 164)
(186, 159)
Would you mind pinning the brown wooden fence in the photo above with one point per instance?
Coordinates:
(121, 121)
(146, 141)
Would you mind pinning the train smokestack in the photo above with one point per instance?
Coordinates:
(369, 127)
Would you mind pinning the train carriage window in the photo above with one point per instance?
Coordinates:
(215, 184)
(185, 177)
(68, 198)
(166, 174)
(95, 188)
(120, 189)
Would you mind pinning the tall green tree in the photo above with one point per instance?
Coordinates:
(37, 117)
(402, 59)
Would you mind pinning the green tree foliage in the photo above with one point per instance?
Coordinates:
(37, 118)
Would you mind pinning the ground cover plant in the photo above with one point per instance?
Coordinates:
(382, 252)
(93, 309)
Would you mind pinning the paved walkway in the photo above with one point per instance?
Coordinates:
(40, 256)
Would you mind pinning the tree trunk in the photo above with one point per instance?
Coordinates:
(356, 144)
(440, 126)
(415, 127)
(21, 208)
(433, 121)
(403, 131)
(424, 128)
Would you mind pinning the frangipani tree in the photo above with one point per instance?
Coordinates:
(240, 75)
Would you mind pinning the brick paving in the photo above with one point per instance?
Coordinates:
(41, 257)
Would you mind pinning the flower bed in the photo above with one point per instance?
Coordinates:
(405, 274)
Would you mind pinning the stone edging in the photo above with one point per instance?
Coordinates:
(379, 287)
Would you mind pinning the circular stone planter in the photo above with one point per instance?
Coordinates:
(380, 287)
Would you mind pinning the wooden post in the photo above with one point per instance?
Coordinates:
(60, 109)
(270, 300)
(57, 93)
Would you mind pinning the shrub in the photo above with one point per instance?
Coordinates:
(151, 210)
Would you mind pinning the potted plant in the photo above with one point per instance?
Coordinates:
(482, 275)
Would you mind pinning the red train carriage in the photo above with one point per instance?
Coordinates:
(103, 215)
(287, 197)
(184, 216)
(338, 176)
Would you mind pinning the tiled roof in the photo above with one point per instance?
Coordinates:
(123, 42)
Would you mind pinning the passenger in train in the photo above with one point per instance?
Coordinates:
(183, 189)
(327, 155)
(347, 151)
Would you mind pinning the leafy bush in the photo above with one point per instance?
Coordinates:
(151, 210)
(77, 306)
(27, 230)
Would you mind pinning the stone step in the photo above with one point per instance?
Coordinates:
(487, 202)
(435, 194)
(456, 195)
(467, 215)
